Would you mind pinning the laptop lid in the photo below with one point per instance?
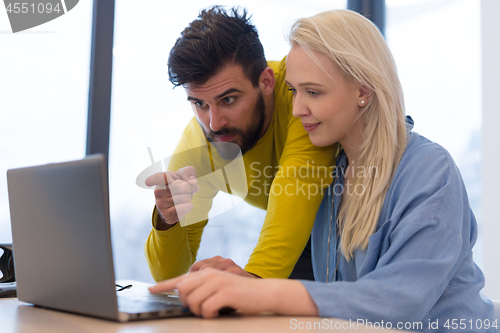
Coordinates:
(61, 236)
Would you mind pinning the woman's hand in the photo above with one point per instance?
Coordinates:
(207, 291)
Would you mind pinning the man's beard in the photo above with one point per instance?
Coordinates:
(248, 137)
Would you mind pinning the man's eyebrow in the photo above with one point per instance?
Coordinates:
(230, 90)
(194, 99)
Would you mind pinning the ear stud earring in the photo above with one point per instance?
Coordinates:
(362, 102)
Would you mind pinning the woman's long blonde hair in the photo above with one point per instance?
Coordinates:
(358, 48)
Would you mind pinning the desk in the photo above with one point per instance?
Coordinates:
(20, 317)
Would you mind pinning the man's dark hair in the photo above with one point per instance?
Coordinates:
(215, 39)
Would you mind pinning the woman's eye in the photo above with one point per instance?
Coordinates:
(291, 89)
(312, 93)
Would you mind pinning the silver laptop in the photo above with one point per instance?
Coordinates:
(62, 244)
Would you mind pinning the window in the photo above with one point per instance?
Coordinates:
(436, 45)
(44, 95)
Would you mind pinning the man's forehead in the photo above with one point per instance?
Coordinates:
(229, 78)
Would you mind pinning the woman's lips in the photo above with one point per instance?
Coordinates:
(310, 127)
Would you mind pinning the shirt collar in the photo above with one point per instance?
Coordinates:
(342, 157)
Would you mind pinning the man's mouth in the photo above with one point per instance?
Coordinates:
(225, 138)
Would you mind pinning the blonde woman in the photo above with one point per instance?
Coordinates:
(393, 237)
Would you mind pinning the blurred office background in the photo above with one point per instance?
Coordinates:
(44, 88)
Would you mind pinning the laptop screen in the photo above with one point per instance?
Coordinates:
(61, 236)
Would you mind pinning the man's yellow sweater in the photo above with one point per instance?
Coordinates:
(285, 174)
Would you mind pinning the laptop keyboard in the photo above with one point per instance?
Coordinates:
(131, 305)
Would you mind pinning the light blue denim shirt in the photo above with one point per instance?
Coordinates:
(418, 267)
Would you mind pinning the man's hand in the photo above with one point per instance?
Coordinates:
(173, 194)
(222, 264)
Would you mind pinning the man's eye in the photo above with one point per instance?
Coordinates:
(229, 100)
(200, 104)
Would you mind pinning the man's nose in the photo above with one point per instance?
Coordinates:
(217, 119)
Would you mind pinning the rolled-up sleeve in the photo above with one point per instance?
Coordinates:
(425, 236)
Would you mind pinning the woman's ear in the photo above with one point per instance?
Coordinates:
(365, 95)
(266, 81)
